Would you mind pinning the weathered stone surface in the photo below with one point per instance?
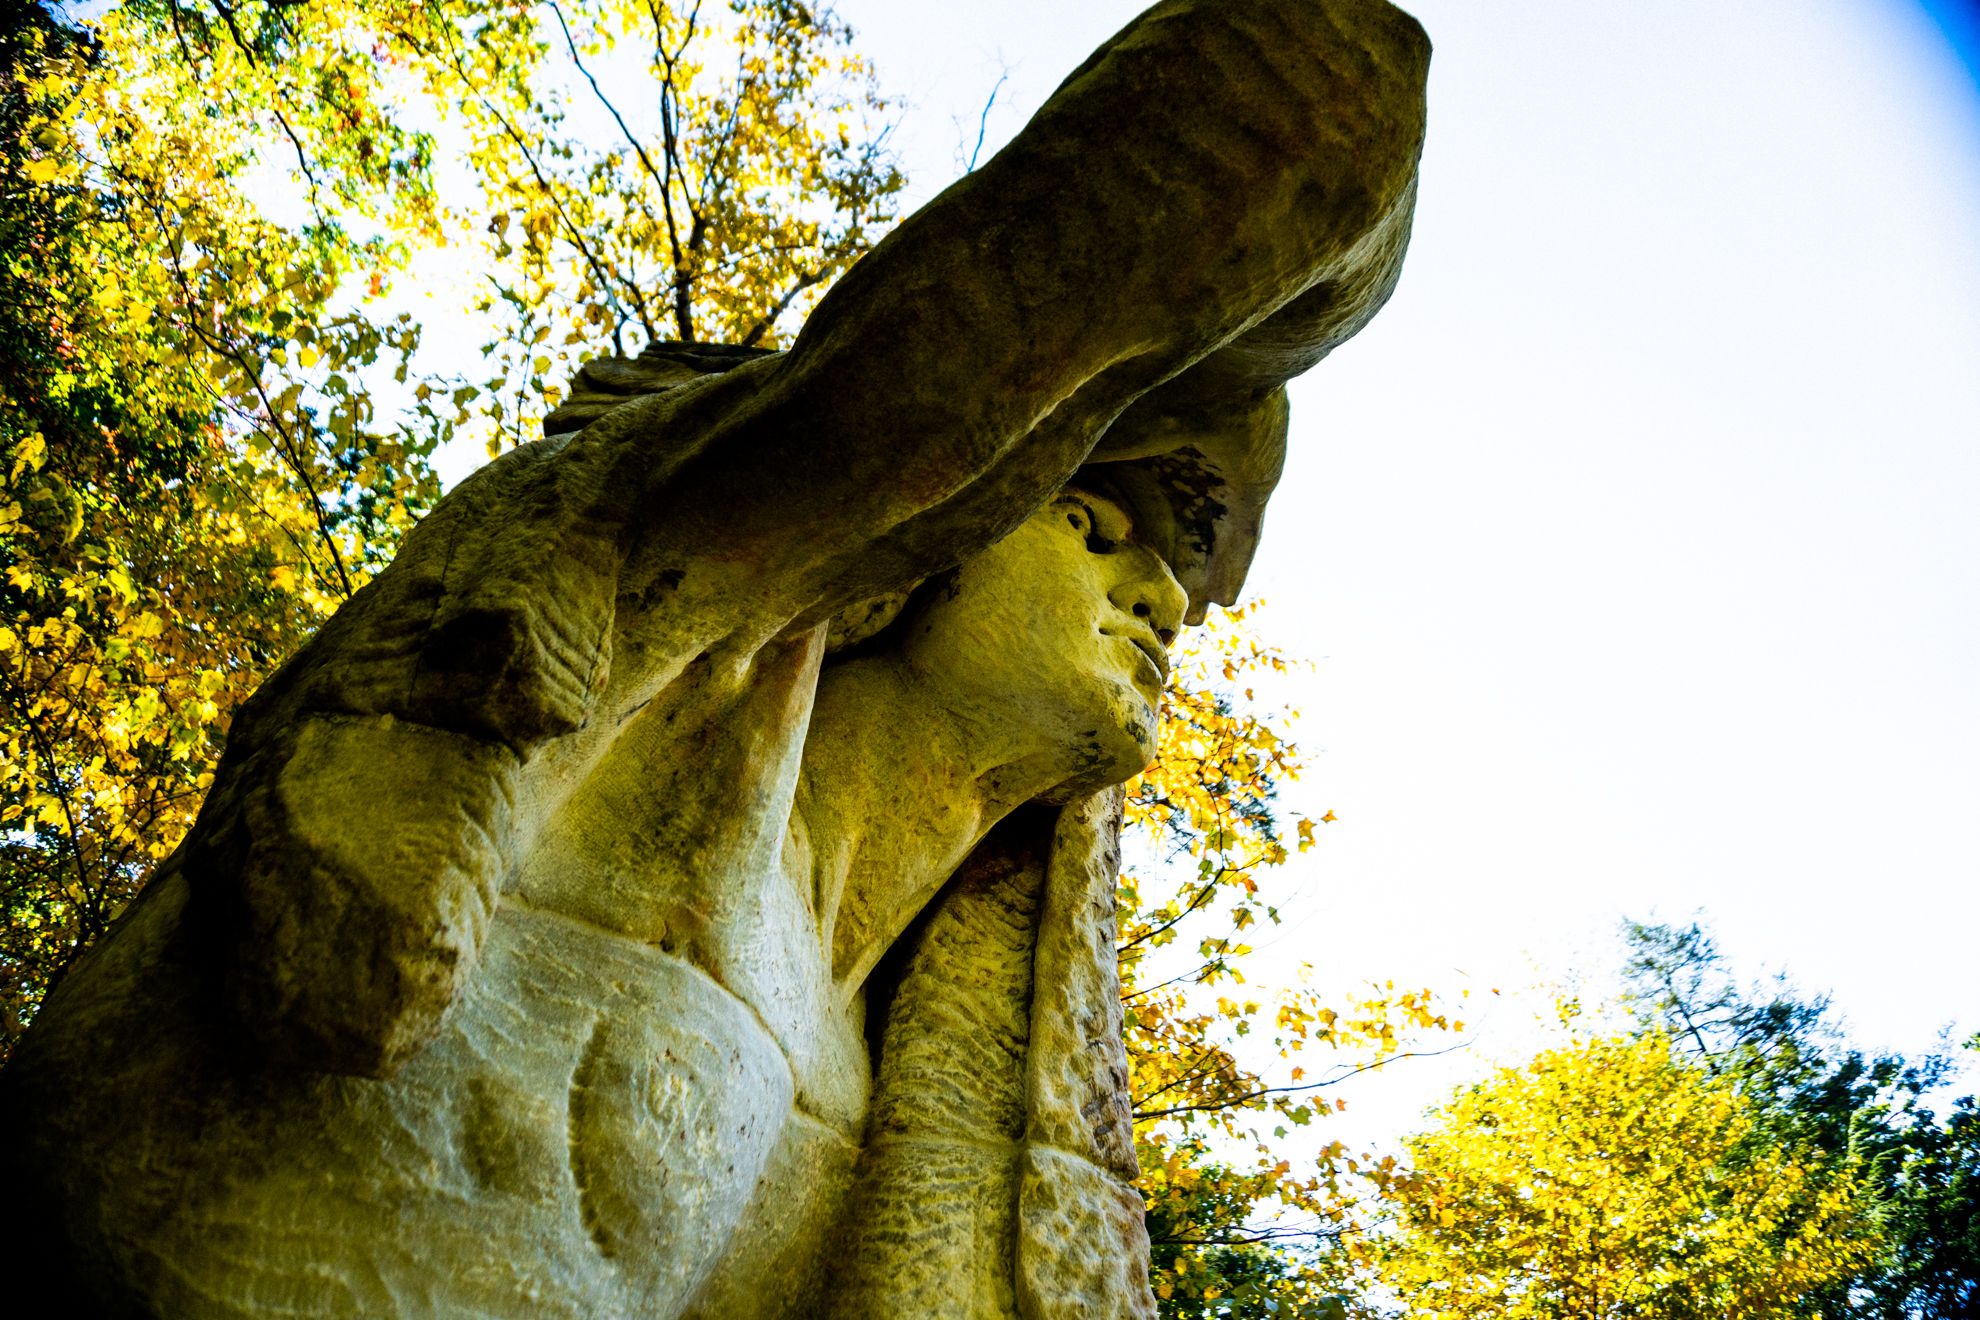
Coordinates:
(958, 1028)
(934, 1238)
(937, 1185)
(377, 1012)
(1082, 1249)
(531, 951)
(1076, 1079)
(775, 1262)
(590, 1104)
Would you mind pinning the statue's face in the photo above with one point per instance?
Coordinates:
(1056, 638)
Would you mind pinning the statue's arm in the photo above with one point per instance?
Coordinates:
(1214, 200)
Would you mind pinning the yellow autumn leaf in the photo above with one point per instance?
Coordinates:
(29, 453)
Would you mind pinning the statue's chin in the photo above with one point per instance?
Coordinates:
(1121, 750)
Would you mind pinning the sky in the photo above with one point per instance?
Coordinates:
(1636, 544)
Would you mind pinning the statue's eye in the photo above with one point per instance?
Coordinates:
(1083, 520)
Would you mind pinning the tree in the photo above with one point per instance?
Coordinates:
(214, 428)
(1931, 1221)
(1615, 1178)
(1867, 1113)
(1218, 1263)
(1220, 1248)
(178, 510)
(721, 210)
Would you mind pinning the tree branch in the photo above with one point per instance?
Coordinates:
(61, 795)
(983, 120)
(1232, 1102)
(764, 322)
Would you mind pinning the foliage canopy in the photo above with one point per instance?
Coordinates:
(1223, 1073)
(1917, 1174)
(1613, 1178)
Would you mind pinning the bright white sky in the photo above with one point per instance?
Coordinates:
(1638, 541)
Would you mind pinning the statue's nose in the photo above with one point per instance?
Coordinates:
(1153, 594)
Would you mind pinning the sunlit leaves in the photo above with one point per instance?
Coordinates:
(1610, 1179)
(1871, 1114)
(160, 471)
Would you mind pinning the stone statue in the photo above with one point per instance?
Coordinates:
(682, 883)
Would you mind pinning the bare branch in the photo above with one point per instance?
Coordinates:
(670, 96)
(1204, 894)
(983, 120)
(1255, 1238)
(1232, 1102)
(1225, 1065)
(53, 777)
(632, 141)
(290, 455)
